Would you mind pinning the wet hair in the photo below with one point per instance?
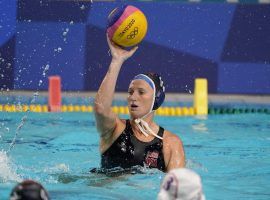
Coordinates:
(158, 87)
(29, 190)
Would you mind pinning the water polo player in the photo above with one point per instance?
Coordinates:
(138, 140)
(29, 190)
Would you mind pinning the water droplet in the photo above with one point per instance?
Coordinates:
(35, 94)
(45, 70)
(82, 7)
(40, 82)
(59, 49)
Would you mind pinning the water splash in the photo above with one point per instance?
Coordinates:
(187, 89)
(58, 49)
(200, 127)
(35, 96)
(23, 120)
(194, 165)
(40, 83)
(82, 7)
(45, 70)
(66, 32)
(3, 129)
(6, 171)
(58, 168)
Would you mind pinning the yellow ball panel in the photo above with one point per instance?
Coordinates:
(132, 30)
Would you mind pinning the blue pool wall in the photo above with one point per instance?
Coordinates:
(229, 44)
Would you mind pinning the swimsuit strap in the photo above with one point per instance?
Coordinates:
(160, 131)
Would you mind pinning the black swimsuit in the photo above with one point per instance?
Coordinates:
(127, 151)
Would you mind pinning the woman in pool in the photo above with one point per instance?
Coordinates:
(138, 140)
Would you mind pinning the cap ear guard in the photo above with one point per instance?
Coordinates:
(160, 90)
(160, 97)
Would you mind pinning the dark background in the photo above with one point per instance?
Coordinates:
(229, 44)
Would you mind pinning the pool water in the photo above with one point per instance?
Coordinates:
(230, 152)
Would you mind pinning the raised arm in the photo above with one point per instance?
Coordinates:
(105, 118)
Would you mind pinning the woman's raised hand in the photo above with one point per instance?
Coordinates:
(118, 53)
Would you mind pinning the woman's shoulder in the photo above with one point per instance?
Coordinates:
(120, 126)
(170, 137)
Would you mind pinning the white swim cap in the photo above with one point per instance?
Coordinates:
(181, 184)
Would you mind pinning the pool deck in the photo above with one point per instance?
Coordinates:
(170, 97)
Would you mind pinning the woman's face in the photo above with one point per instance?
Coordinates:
(140, 98)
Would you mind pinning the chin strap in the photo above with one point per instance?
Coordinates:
(145, 129)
